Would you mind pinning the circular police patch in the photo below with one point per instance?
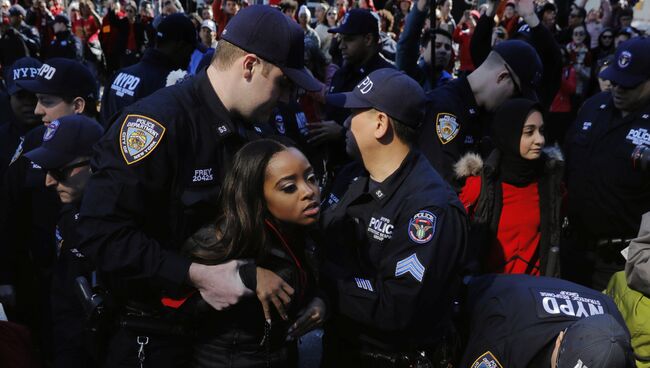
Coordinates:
(51, 129)
(624, 59)
(422, 227)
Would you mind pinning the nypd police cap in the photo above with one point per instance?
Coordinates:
(25, 68)
(631, 65)
(62, 77)
(389, 91)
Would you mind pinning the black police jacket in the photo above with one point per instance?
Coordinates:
(394, 253)
(65, 45)
(157, 174)
(451, 127)
(607, 195)
(515, 317)
(135, 82)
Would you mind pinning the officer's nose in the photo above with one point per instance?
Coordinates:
(38, 109)
(50, 181)
(347, 122)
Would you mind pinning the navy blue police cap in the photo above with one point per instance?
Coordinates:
(632, 63)
(598, 341)
(177, 27)
(66, 139)
(269, 34)
(357, 21)
(524, 62)
(62, 18)
(25, 68)
(62, 77)
(389, 91)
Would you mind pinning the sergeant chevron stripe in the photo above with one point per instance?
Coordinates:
(411, 265)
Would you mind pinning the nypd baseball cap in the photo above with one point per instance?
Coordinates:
(387, 90)
(66, 139)
(25, 68)
(177, 27)
(598, 341)
(524, 62)
(631, 65)
(267, 33)
(357, 21)
(62, 77)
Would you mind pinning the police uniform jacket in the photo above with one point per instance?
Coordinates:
(393, 255)
(515, 317)
(451, 127)
(607, 195)
(135, 82)
(65, 45)
(157, 175)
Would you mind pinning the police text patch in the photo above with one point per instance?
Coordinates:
(487, 360)
(447, 127)
(422, 227)
(380, 228)
(139, 136)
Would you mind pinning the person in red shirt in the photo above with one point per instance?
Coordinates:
(462, 35)
(514, 198)
(222, 14)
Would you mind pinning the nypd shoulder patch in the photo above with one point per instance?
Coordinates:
(447, 127)
(139, 136)
(422, 227)
(487, 360)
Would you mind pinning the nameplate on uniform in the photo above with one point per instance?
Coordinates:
(551, 303)
(139, 136)
(487, 360)
(447, 127)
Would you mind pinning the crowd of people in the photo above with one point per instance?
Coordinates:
(406, 183)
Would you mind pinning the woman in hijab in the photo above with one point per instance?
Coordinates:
(514, 197)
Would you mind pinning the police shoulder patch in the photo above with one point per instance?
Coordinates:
(447, 127)
(139, 136)
(422, 227)
(487, 360)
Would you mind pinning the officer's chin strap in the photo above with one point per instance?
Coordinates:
(142, 341)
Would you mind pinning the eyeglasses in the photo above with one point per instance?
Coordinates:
(330, 14)
(63, 173)
(513, 77)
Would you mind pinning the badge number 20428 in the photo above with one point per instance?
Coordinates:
(139, 136)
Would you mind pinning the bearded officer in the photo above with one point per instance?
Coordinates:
(158, 173)
(608, 191)
(396, 239)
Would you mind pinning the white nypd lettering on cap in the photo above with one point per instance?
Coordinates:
(586, 125)
(365, 86)
(345, 18)
(624, 59)
(363, 284)
(638, 136)
(125, 84)
(567, 303)
(380, 228)
(50, 130)
(412, 265)
(202, 175)
(580, 364)
(46, 71)
(21, 73)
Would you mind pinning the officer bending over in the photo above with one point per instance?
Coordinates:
(521, 321)
(396, 239)
(65, 156)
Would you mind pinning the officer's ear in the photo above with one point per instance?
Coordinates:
(78, 104)
(503, 76)
(249, 63)
(382, 126)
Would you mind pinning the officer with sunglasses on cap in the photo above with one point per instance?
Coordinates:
(519, 321)
(64, 156)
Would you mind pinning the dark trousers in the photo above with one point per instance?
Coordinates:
(584, 263)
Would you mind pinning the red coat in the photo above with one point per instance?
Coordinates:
(518, 233)
(463, 38)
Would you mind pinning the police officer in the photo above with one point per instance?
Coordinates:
(607, 193)
(158, 173)
(28, 210)
(175, 41)
(64, 44)
(22, 118)
(458, 115)
(65, 156)
(540, 322)
(396, 239)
